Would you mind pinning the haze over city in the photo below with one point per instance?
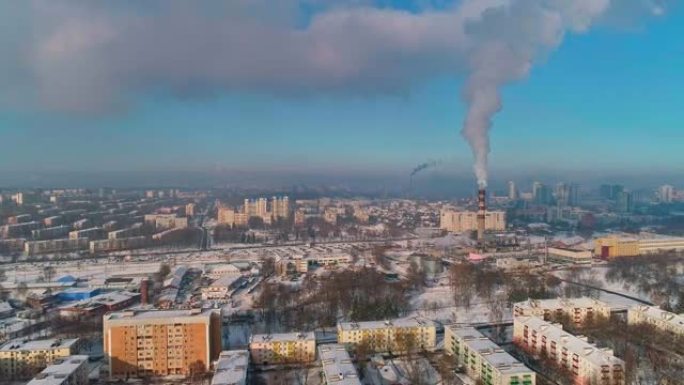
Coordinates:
(341, 192)
(132, 87)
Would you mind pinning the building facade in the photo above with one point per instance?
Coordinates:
(661, 319)
(389, 336)
(282, 348)
(588, 364)
(483, 360)
(461, 221)
(72, 370)
(23, 359)
(578, 310)
(161, 343)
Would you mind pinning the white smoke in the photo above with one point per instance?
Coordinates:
(504, 43)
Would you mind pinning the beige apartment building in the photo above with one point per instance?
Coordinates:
(661, 319)
(115, 244)
(588, 364)
(23, 359)
(483, 359)
(228, 216)
(386, 336)
(279, 208)
(61, 245)
(166, 221)
(461, 221)
(282, 348)
(161, 342)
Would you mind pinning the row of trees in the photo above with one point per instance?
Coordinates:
(656, 276)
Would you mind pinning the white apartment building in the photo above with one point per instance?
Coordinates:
(483, 359)
(588, 364)
(661, 319)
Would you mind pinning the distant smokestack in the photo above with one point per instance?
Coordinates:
(145, 291)
(481, 210)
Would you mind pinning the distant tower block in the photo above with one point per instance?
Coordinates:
(481, 213)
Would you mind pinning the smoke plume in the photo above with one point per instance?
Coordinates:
(424, 166)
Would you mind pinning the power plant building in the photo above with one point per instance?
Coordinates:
(462, 221)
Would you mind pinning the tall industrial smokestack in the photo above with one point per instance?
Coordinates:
(481, 210)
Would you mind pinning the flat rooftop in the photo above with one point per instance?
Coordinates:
(574, 344)
(337, 365)
(59, 372)
(397, 323)
(231, 368)
(489, 351)
(675, 320)
(159, 316)
(49, 344)
(282, 337)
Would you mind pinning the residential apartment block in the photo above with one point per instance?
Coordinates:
(661, 319)
(337, 365)
(268, 349)
(72, 370)
(23, 359)
(386, 336)
(588, 364)
(483, 359)
(231, 368)
(160, 343)
(578, 310)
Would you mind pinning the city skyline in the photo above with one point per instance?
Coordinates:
(349, 131)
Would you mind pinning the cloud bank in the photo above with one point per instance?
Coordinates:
(93, 57)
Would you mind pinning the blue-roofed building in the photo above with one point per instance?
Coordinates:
(77, 294)
(66, 279)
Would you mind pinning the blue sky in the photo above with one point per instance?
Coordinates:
(608, 100)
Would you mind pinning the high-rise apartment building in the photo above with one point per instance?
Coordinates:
(161, 343)
(280, 207)
(512, 191)
(666, 193)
